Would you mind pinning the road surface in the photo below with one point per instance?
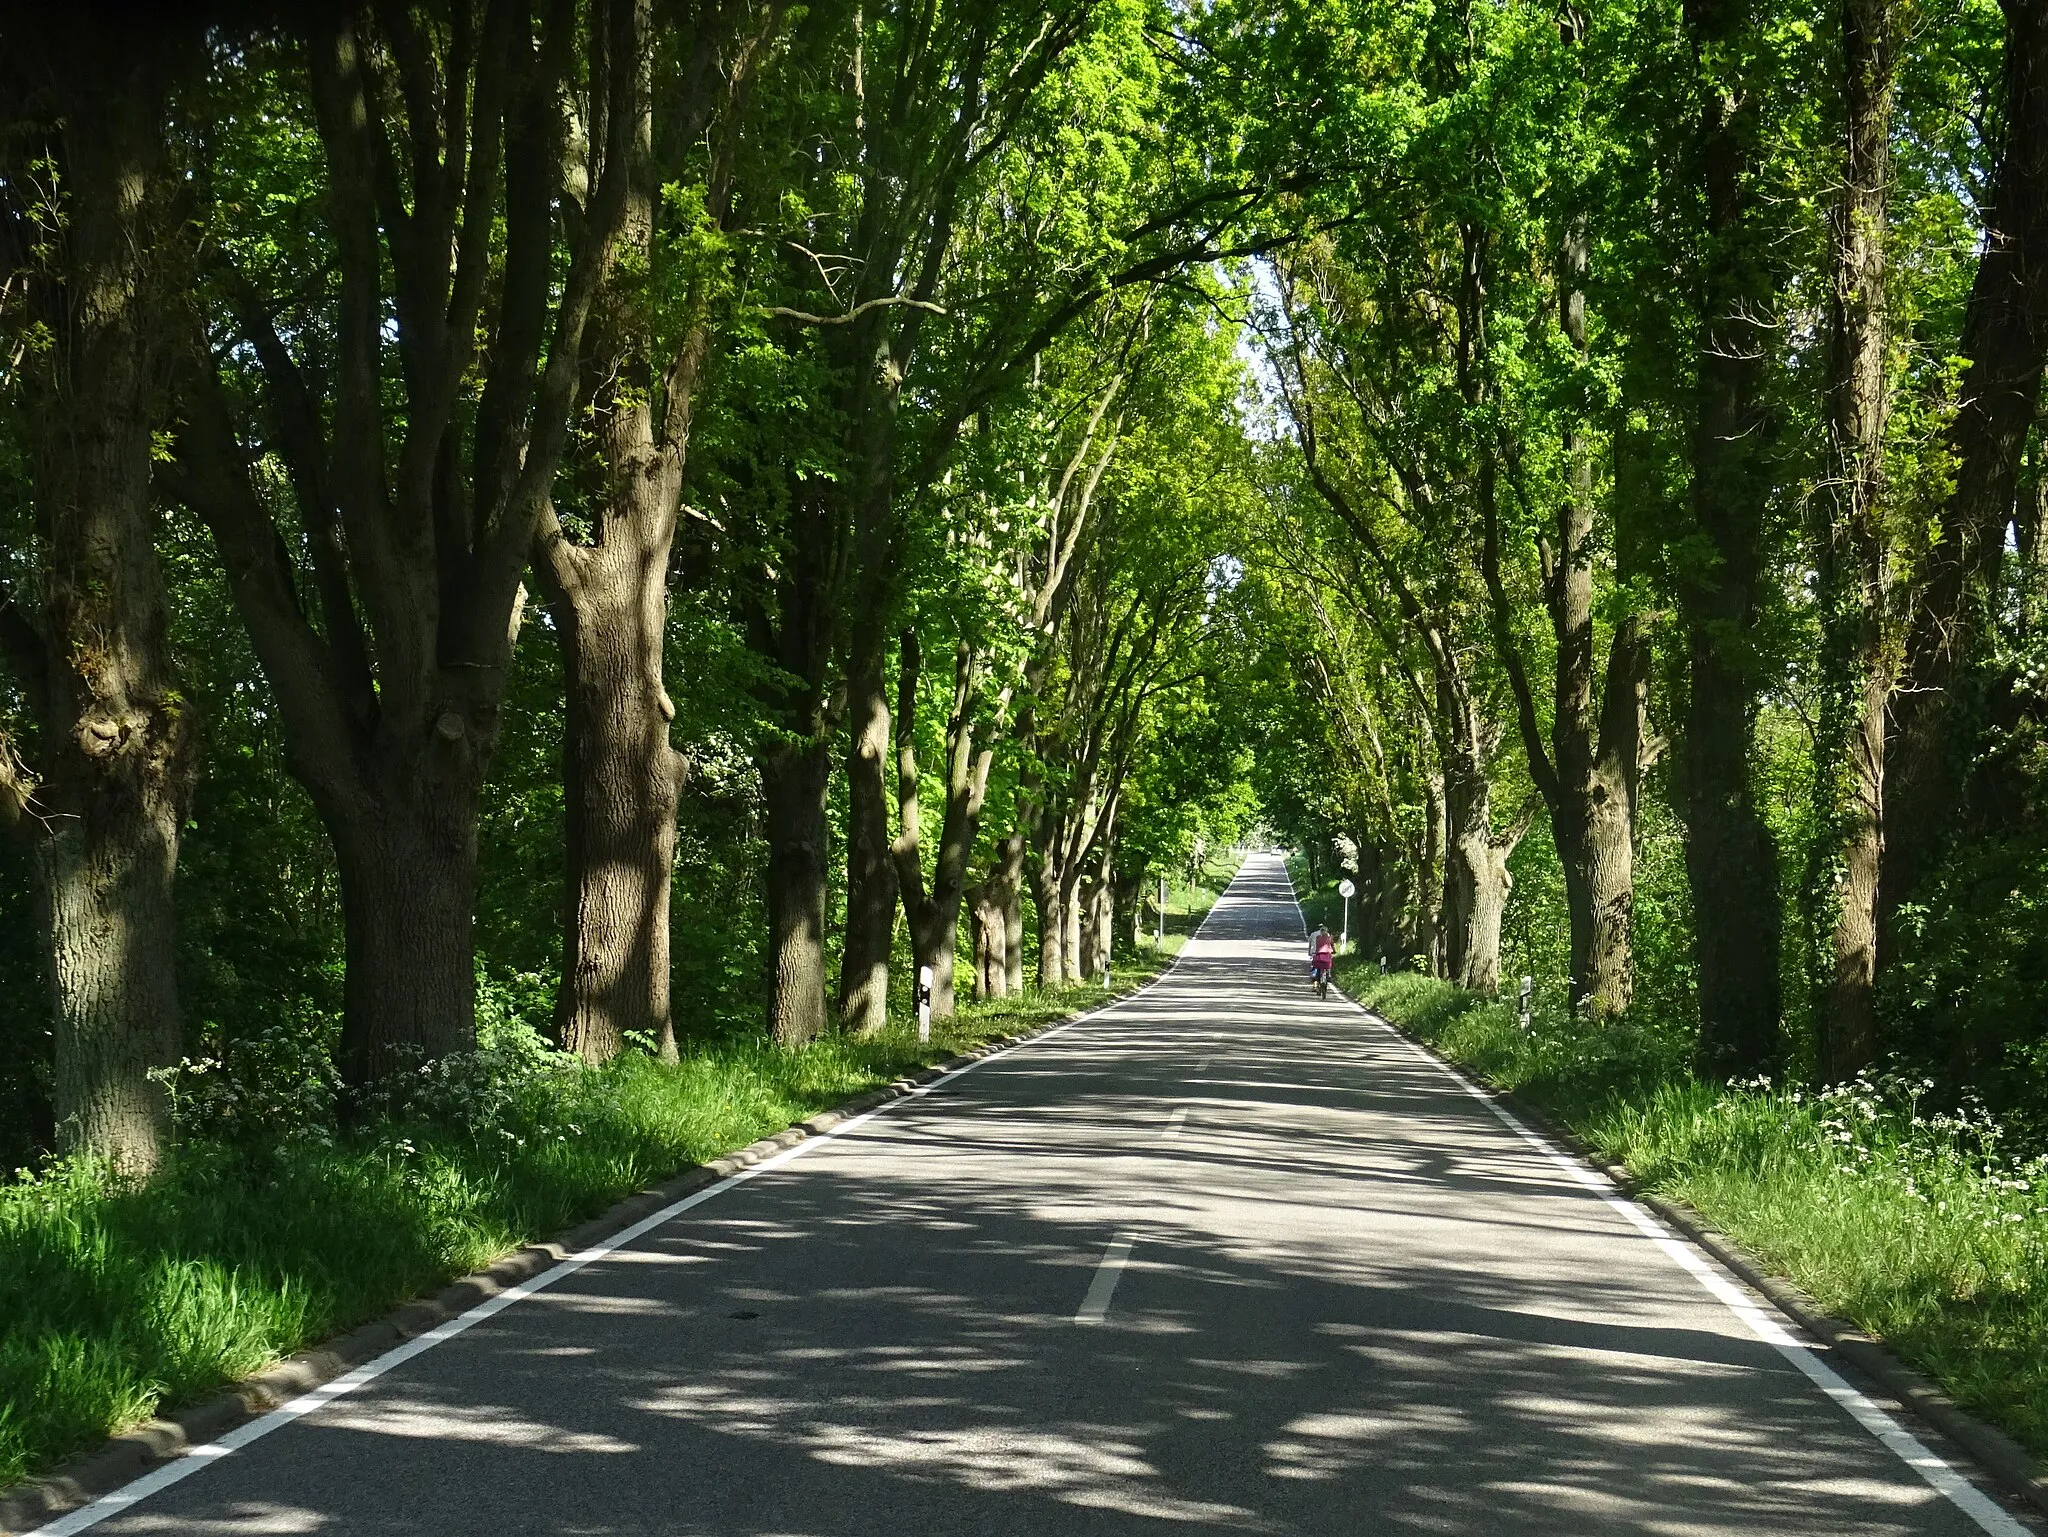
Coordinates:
(1217, 1259)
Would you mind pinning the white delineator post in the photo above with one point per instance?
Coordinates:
(1528, 987)
(924, 1003)
(1162, 913)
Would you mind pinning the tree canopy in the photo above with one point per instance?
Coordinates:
(651, 525)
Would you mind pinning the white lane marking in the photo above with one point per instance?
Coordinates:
(205, 1455)
(1888, 1432)
(1095, 1306)
(1179, 1120)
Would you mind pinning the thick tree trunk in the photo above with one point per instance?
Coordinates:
(1855, 567)
(1010, 871)
(1731, 856)
(1476, 879)
(1071, 974)
(2005, 339)
(1605, 972)
(93, 650)
(408, 891)
(1476, 892)
(420, 420)
(609, 601)
(991, 942)
(871, 884)
(1128, 900)
(106, 881)
(793, 782)
(620, 783)
(1052, 928)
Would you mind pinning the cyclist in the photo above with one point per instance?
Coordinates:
(1322, 959)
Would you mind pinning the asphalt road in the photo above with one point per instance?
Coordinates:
(1217, 1259)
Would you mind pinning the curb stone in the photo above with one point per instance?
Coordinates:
(2005, 1463)
(128, 1456)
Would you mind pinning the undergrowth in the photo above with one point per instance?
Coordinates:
(1919, 1226)
(270, 1229)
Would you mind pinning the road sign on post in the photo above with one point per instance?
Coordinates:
(924, 1003)
(1346, 890)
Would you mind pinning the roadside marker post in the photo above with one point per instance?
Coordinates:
(1528, 987)
(924, 1003)
(1162, 913)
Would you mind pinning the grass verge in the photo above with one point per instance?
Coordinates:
(117, 1302)
(1913, 1225)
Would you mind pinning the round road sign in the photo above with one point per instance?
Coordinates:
(1345, 888)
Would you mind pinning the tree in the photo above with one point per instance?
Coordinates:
(89, 262)
(419, 408)
(605, 570)
(1857, 581)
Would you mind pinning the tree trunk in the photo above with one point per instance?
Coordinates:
(116, 733)
(1011, 895)
(1604, 973)
(1429, 888)
(793, 783)
(1128, 899)
(620, 783)
(1731, 856)
(935, 914)
(1587, 777)
(1855, 574)
(420, 420)
(1071, 974)
(1476, 877)
(2005, 339)
(1476, 894)
(408, 891)
(871, 883)
(991, 958)
(1052, 928)
(609, 601)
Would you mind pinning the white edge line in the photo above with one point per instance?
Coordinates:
(1886, 1430)
(207, 1453)
(1102, 1288)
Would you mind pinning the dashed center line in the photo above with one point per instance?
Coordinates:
(1095, 1306)
(1173, 1126)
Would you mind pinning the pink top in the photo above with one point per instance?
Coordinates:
(1325, 947)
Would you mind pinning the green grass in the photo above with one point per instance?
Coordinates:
(1914, 1226)
(118, 1302)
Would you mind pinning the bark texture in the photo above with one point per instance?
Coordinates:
(793, 782)
(1731, 856)
(116, 748)
(871, 879)
(1855, 565)
(607, 591)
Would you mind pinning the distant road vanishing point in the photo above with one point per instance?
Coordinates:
(1218, 1258)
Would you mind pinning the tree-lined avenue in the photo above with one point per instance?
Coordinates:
(1343, 1294)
